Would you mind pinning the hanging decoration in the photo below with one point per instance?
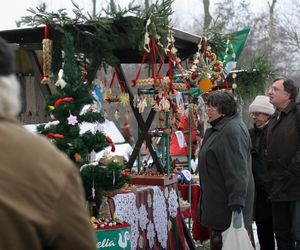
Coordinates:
(205, 85)
(55, 136)
(206, 70)
(47, 56)
(123, 99)
(109, 140)
(98, 91)
(117, 114)
(93, 156)
(62, 100)
(158, 90)
(98, 128)
(72, 120)
(60, 81)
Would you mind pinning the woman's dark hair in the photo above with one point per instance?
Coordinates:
(289, 87)
(223, 101)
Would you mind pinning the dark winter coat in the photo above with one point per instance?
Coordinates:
(225, 173)
(262, 204)
(42, 202)
(283, 153)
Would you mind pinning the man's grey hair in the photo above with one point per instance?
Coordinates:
(10, 104)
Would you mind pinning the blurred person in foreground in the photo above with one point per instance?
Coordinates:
(283, 154)
(42, 204)
(261, 111)
(225, 173)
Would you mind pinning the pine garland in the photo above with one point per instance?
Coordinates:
(253, 79)
(98, 37)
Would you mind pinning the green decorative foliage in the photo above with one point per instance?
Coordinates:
(253, 80)
(97, 38)
(100, 178)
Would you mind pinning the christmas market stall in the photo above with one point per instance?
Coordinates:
(62, 56)
(133, 204)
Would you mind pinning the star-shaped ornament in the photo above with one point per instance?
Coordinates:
(98, 128)
(72, 120)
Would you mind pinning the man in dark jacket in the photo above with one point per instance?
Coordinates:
(42, 202)
(261, 111)
(283, 154)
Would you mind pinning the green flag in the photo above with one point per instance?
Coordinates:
(234, 47)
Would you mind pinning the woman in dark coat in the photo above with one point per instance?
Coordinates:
(225, 172)
(261, 111)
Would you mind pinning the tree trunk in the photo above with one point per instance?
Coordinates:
(207, 15)
(271, 26)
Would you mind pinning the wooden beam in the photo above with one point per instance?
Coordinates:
(144, 127)
(37, 70)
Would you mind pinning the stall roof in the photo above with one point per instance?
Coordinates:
(31, 39)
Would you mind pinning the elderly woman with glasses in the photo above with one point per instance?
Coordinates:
(225, 173)
(261, 111)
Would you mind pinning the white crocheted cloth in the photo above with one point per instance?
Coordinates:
(164, 205)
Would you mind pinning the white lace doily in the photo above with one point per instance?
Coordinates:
(166, 192)
(160, 216)
(143, 217)
(150, 234)
(126, 210)
(173, 203)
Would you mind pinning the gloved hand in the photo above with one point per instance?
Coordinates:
(237, 219)
(237, 208)
(237, 215)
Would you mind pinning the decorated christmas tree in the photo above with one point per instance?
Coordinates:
(70, 108)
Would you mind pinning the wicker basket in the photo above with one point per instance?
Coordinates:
(110, 193)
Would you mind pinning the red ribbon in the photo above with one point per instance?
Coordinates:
(46, 32)
(55, 136)
(109, 140)
(121, 84)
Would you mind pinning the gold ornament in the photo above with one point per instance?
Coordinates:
(47, 60)
(117, 114)
(105, 114)
(106, 93)
(127, 115)
(142, 104)
(164, 104)
(205, 85)
(124, 99)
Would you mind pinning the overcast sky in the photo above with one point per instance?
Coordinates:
(14, 9)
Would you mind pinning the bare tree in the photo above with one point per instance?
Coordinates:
(207, 15)
(271, 26)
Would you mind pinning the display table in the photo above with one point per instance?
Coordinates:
(199, 232)
(154, 215)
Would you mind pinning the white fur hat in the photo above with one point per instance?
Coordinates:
(262, 104)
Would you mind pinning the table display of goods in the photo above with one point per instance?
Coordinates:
(113, 236)
(111, 232)
(153, 179)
